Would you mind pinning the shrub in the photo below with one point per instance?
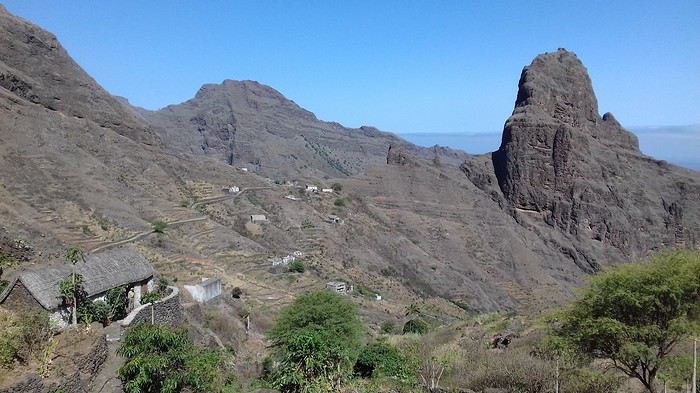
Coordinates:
(163, 359)
(307, 224)
(297, 267)
(21, 337)
(337, 187)
(118, 301)
(340, 202)
(159, 226)
(417, 326)
(382, 359)
(388, 326)
(236, 292)
(151, 297)
(315, 341)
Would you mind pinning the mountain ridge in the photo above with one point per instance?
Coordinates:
(567, 193)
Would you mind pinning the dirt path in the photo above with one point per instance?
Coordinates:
(210, 200)
(141, 235)
(205, 201)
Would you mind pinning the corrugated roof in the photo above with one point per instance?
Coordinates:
(102, 271)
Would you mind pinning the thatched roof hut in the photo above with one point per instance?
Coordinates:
(101, 272)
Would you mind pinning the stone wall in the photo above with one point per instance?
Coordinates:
(79, 381)
(19, 299)
(167, 311)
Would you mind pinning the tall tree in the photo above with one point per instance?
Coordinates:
(73, 256)
(316, 341)
(635, 314)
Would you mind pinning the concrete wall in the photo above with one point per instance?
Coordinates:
(166, 311)
(207, 290)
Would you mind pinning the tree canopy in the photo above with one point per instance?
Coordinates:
(635, 314)
(316, 341)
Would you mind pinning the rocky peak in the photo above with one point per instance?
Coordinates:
(557, 85)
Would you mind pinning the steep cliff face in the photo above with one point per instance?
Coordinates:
(35, 67)
(563, 165)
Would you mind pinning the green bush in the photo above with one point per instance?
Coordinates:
(297, 266)
(163, 359)
(22, 337)
(151, 297)
(388, 326)
(118, 301)
(315, 342)
(159, 226)
(307, 224)
(381, 359)
(340, 202)
(337, 187)
(417, 326)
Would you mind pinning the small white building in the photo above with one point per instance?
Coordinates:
(311, 188)
(298, 254)
(292, 197)
(233, 189)
(258, 218)
(337, 287)
(327, 190)
(332, 218)
(208, 289)
(243, 169)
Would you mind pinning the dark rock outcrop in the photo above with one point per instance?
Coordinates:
(562, 165)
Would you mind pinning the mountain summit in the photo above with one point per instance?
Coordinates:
(564, 168)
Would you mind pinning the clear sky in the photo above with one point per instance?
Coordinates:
(403, 66)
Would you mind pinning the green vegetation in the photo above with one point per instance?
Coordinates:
(71, 290)
(388, 326)
(307, 224)
(315, 343)
(162, 359)
(416, 326)
(297, 266)
(159, 226)
(339, 202)
(22, 337)
(337, 187)
(380, 359)
(635, 315)
(117, 301)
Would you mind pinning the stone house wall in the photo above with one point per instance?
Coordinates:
(19, 299)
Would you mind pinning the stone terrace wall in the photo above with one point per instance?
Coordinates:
(167, 311)
(76, 382)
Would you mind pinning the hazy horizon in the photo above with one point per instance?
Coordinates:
(676, 144)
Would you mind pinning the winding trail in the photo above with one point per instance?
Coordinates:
(205, 201)
(221, 198)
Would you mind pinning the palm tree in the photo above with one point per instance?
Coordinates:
(412, 309)
(73, 256)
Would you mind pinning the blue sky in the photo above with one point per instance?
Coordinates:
(402, 66)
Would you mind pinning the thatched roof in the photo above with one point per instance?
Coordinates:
(101, 272)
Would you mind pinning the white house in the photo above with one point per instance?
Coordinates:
(337, 287)
(292, 197)
(327, 190)
(208, 289)
(258, 218)
(244, 169)
(234, 189)
(310, 188)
